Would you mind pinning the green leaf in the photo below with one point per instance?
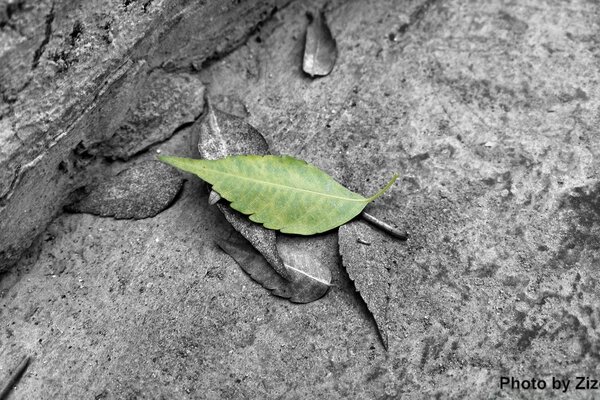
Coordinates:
(281, 192)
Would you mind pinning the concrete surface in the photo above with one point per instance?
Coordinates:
(488, 110)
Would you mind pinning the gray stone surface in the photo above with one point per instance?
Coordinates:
(488, 110)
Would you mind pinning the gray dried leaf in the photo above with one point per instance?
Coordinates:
(306, 258)
(263, 240)
(218, 135)
(256, 266)
(141, 191)
(320, 49)
(221, 134)
(213, 198)
(307, 283)
(367, 266)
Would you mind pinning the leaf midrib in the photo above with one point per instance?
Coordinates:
(307, 274)
(363, 200)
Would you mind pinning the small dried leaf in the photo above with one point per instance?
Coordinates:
(302, 287)
(141, 191)
(221, 134)
(306, 258)
(370, 273)
(320, 50)
(213, 198)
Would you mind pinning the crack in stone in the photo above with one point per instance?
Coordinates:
(48, 33)
(417, 15)
(4, 197)
(219, 55)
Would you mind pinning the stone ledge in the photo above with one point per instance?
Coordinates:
(68, 81)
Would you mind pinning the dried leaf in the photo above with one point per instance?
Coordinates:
(306, 258)
(213, 198)
(256, 266)
(141, 191)
(307, 282)
(368, 271)
(221, 134)
(281, 192)
(320, 50)
(263, 240)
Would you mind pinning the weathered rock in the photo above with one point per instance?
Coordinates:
(69, 79)
(166, 101)
(140, 191)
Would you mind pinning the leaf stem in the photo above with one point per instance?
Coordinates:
(385, 188)
(397, 233)
(14, 377)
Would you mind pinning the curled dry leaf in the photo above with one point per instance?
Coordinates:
(368, 268)
(308, 280)
(320, 49)
(218, 135)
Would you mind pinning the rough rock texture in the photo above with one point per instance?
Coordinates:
(489, 110)
(140, 191)
(165, 102)
(70, 71)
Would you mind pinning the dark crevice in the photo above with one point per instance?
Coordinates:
(10, 10)
(76, 32)
(146, 5)
(40, 50)
(14, 8)
(417, 15)
(143, 150)
(215, 57)
(11, 187)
